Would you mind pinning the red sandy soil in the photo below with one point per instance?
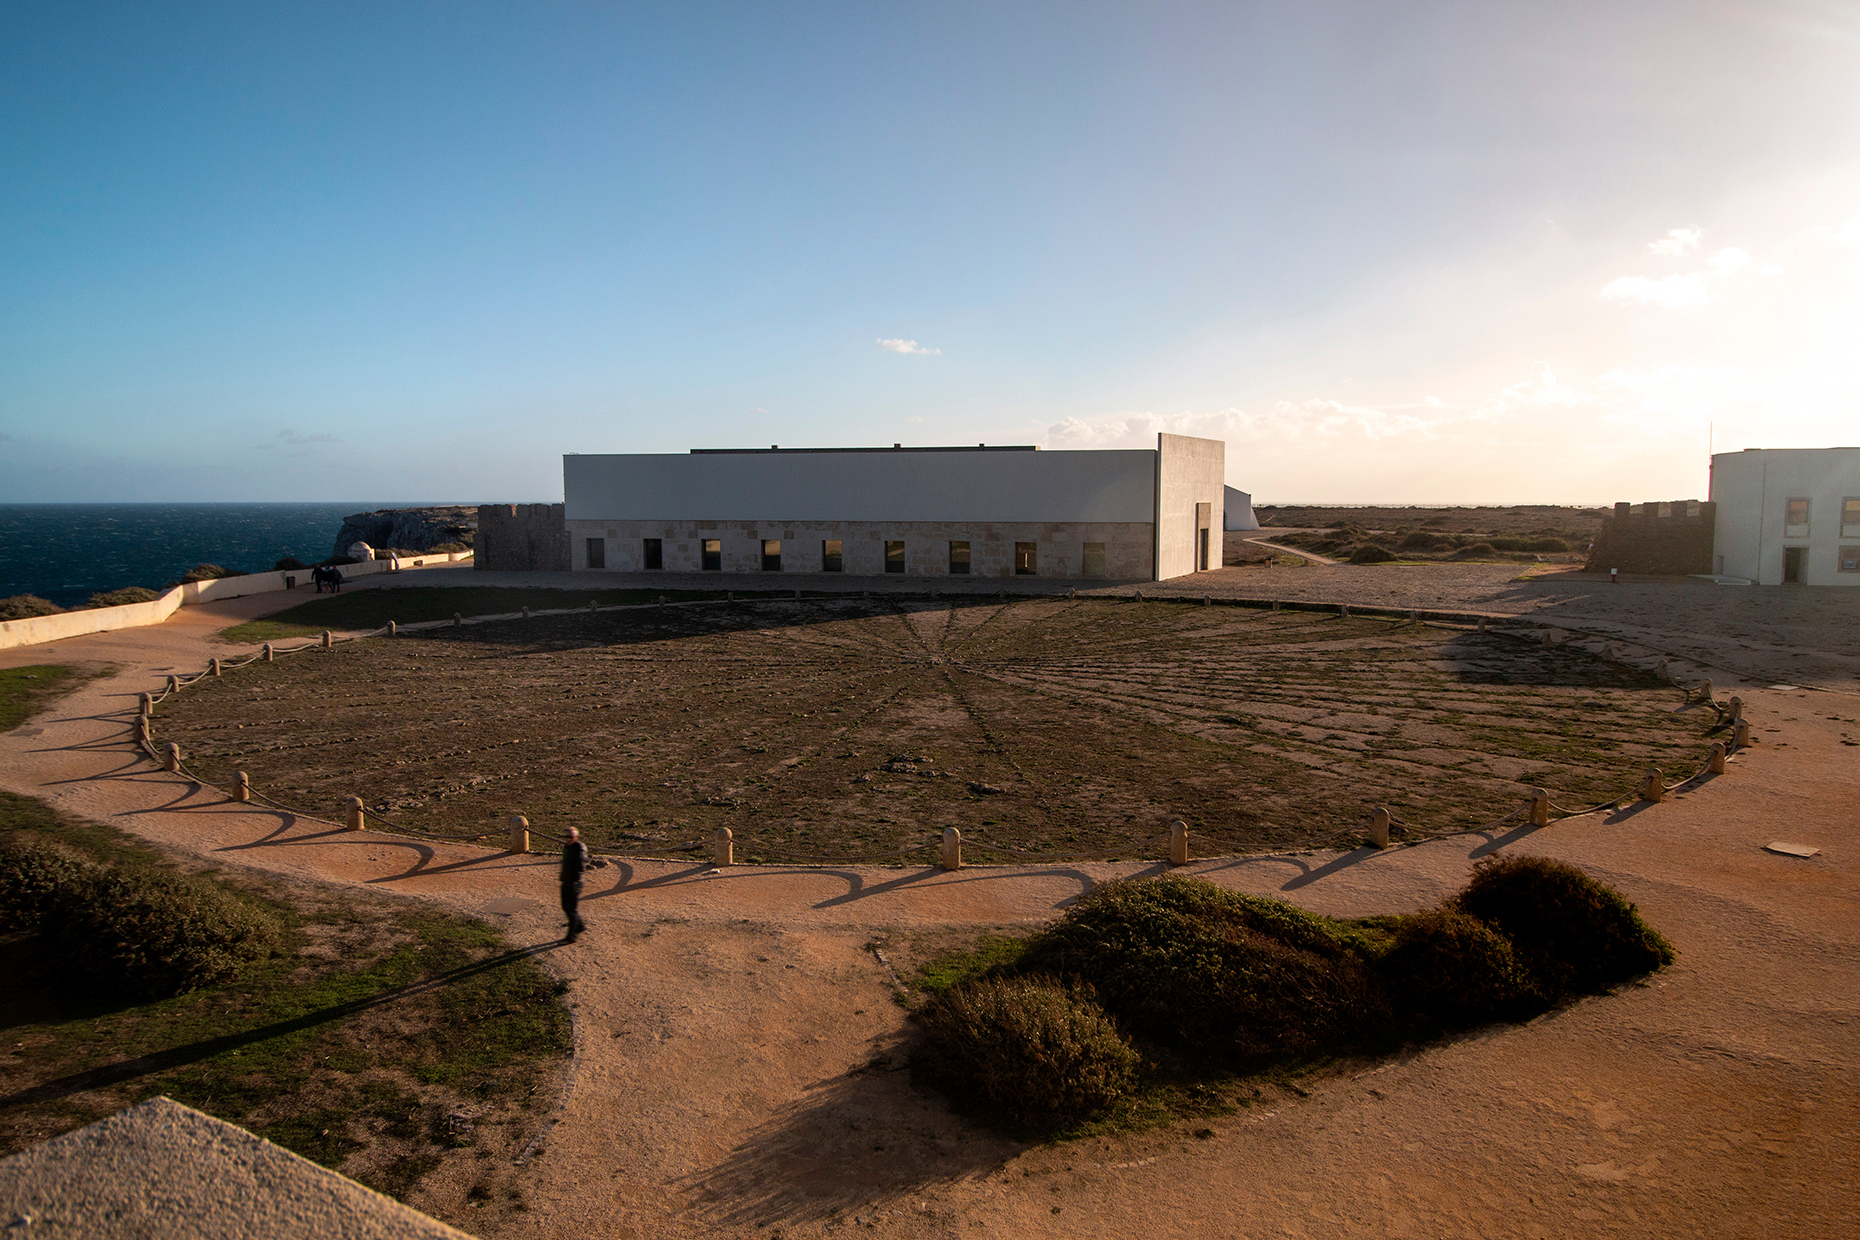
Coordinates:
(739, 1043)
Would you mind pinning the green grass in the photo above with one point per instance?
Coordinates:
(937, 976)
(351, 1047)
(372, 608)
(23, 690)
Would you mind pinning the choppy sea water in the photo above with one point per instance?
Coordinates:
(68, 552)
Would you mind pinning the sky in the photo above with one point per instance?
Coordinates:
(1389, 252)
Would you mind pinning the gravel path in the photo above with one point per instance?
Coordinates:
(739, 1059)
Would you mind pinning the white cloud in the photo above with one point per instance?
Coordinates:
(1677, 242)
(1729, 261)
(906, 346)
(1849, 233)
(1672, 292)
(1769, 269)
(288, 438)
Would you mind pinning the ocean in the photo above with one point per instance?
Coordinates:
(68, 552)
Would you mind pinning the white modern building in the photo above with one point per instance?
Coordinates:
(1145, 514)
(1787, 515)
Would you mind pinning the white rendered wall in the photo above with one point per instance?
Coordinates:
(1189, 472)
(1240, 514)
(1752, 490)
(876, 486)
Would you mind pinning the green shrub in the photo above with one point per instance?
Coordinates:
(207, 572)
(1189, 962)
(1476, 551)
(1575, 935)
(1424, 540)
(1370, 553)
(151, 935)
(37, 881)
(289, 564)
(26, 606)
(1530, 544)
(117, 598)
(1449, 968)
(1037, 1051)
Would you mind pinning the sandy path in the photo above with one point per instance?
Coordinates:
(738, 1041)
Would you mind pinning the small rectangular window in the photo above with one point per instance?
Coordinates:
(655, 553)
(1094, 565)
(959, 558)
(597, 553)
(830, 561)
(1026, 559)
(1850, 560)
(1850, 517)
(771, 555)
(894, 555)
(713, 555)
(1795, 518)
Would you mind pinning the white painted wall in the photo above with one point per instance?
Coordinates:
(876, 486)
(1752, 490)
(1240, 511)
(1189, 472)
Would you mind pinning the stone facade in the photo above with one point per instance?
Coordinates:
(1059, 547)
(1670, 538)
(521, 538)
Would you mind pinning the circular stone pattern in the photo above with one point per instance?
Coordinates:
(839, 727)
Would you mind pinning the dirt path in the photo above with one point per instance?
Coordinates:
(738, 1065)
(1311, 556)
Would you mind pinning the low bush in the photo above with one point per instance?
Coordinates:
(1574, 934)
(1370, 553)
(143, 933)
(1530, 544)
(207, 572)
(1188, 962)
(1476, 551)
(1449, 968)
(1040, 1052)
(118, 598)
(37, 880)
(289, 564)
(1424, 540)
(26, 606)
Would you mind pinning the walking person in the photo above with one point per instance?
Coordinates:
(574, 861)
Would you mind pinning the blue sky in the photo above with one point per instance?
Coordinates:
(1389, 252)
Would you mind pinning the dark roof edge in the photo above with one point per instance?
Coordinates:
(1027, 447)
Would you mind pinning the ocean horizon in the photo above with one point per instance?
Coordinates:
(67, 552)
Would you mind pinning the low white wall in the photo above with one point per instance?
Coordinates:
(37, 629)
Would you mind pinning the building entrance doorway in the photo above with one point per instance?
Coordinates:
(1792, 565)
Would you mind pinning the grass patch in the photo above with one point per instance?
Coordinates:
(383, 1040)
(993, 951)
(25, 690)
(1218, 993)
(372, 608)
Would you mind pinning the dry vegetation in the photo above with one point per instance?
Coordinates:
(832, 728)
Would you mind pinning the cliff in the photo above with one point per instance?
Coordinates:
(411, 529)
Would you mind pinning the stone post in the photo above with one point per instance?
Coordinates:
(1275, 604)
(173, 762)
(213, 667)
(1716, 766)
(174, 684)
(797, 593)
(1414, 616)
(1736, 707)
(1663, 672)
(526, 613)
(1207, 600)
(270, 654)
(1343, 610)
(1540, 807)
(242, 790)
(950, 854)
(1705, 691)
(145, 704)
(1653, 787)
(393, 629)
(1481, 624)
(723, 848)
(457, 620)
(1741, 734)
(1178, 843)
(328, 639)
(357, 822)
(1379, 827)
(519, 834)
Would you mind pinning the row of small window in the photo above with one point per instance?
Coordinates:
(1795, 517)
(832, 556)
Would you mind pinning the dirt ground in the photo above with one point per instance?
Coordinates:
(738, 1071)
(870, 726)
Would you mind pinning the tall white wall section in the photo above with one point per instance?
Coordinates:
(1191, 481)
(1755, 536)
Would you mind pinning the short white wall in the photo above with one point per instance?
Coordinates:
(37, 629)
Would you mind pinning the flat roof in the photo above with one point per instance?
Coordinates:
(896, 447)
